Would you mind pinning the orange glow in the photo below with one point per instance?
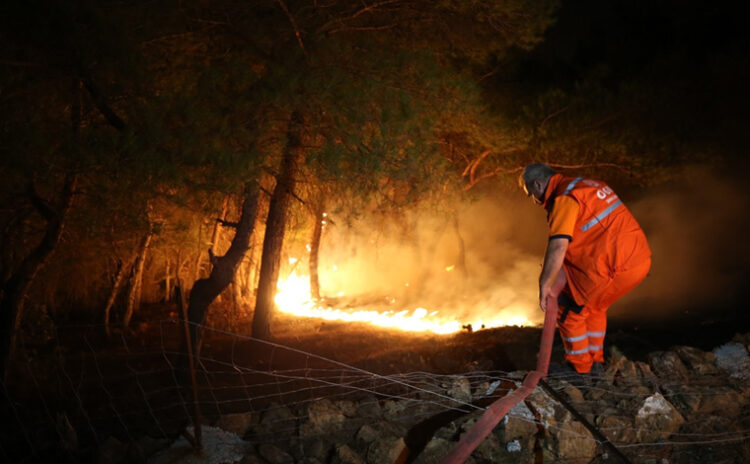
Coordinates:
(293, 297)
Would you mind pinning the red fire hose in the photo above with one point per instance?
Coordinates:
(497, 410)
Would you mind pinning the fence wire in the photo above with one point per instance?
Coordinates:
(67, 396)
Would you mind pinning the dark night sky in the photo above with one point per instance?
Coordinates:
(693, 56)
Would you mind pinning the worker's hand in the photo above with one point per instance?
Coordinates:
(545, 292)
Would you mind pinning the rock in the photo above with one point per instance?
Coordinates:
(274, 455)
(686, 398)
(386, 429)
(513, 446)
(317, 449)
(393, 410)
(618, 429)
(346, 455)
(733, 358)
(450, 431)
(615, 360)
(633, 401)
(575, 442)
(323, 417)
(274, 421)
(519, 424)
(295, 446)
(369, 408)
(546, 410)
(627, 373)
(459, 388)
(592, 394)
(657, 419)
(219, 447)
(252, 459)
(667, 364)
(237, 424)
(644, 371)
(367, 434)
(145, 447)
(699, 361)
(722, 401)
(347, 408)
(485, 389)
(385, 450)
(491, 449)
(112, 451)
(743, 339)
(574, 394)
(434, 451)
(309, 460)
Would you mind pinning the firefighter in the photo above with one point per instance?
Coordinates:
(601, 250)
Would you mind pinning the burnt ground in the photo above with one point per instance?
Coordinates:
(507, 348)
(128, 385)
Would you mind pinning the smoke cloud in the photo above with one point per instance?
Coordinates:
(416, 261)
(695, 227)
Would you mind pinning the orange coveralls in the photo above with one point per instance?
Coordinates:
(607, 256)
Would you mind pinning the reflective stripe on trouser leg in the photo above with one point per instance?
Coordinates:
(575, 339)
(596, 329)
(596, 323)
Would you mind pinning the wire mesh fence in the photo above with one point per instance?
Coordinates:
(66, 397)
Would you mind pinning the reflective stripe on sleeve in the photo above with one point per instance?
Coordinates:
(596, 334)
(601, 216)
(576, 339)
(595, 347)
(572, 184)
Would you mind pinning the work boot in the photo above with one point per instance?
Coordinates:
(597, 371)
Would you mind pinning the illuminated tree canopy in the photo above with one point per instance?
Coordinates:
(128, 128)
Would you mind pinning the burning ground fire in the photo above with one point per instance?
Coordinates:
(293, 297)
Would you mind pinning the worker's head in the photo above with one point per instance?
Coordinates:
(534, 181)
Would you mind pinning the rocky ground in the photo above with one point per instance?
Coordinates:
(677, 404)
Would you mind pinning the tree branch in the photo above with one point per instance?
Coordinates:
(360, 12)
(296, 29)
(227, 223)
(358, 29)
(552, 115)
(591, 165)
(19, 64)
(99, 101)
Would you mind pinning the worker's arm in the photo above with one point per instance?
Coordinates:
(562, 221)
(553, 261)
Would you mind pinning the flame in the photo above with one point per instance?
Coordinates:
(293, 297)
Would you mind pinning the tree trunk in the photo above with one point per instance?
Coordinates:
(16, 287)
(134, 292)
(204, 291)
(315, 250)
(167, 281)
(199, 258)
(275, 228)
(461, 249)
(122, 271)
(217, 225)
